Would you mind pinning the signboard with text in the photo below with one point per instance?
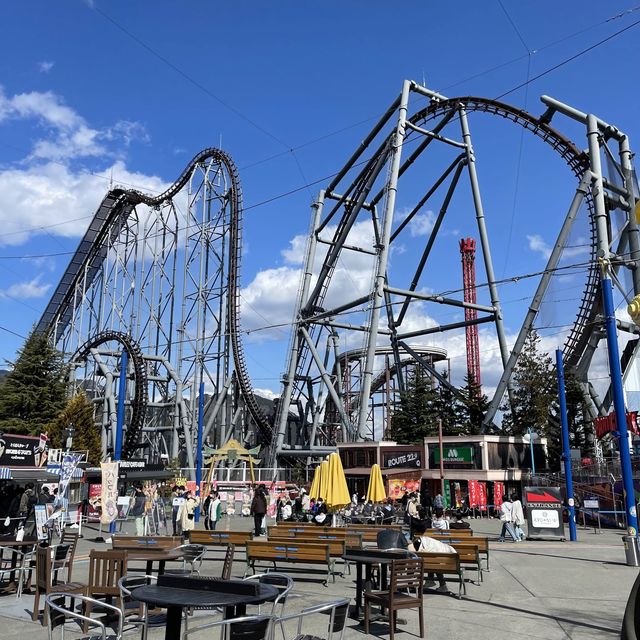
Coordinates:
(19, 451)
(544, 512)
(402, 459)
(454, 455)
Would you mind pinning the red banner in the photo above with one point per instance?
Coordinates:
(482, 496)
(498, 493)
(606, 424)
(473, 493)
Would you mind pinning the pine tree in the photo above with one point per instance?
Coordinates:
(34, 392)
(79, 413)
(417, 415)
(473, 408)
(449, 410)
(535, 390)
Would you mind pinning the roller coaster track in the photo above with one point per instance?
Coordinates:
(139, 402)
(578, 162)
(109, 221)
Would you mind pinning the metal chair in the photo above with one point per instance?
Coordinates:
(245, 628)
(59, 613)
(192, 555)
(281, 581)
(136, 613)
(16, 564)
(406, 575)
(337, 611)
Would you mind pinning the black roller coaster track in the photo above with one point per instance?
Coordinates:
(578, 162)
(108, 222)
(139, 401)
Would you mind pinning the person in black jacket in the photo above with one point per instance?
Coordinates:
(258, 510)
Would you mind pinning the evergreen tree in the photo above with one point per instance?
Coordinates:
(473, 408)
(417, 415)
(535, 389)
(79, 413)
(449, 410)
(34, 392)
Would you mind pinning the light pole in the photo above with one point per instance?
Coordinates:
(530, 437)
(69, 432)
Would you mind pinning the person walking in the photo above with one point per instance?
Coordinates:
(506, 517)
(517, 517)
(258, 510)
(205, 512)
(438, 502)
(214, 510)
(137, 508)
(177, 499)
(187, 512)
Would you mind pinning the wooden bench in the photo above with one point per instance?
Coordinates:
(369, 531)
(469, 556)
(446, 564)
(146, 543)
(448, 532)
(337, 546)
(220, 538)
(451, 537)
(352, 538)
(293, 552)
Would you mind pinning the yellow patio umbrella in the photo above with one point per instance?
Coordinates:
(337, 492)
(375, 491)
(324, 481)
(314, 492)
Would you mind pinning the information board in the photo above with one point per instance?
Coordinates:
(544, 513)
(591, 503)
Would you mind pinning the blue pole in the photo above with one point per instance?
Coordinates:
(199, 450)
(566, 453)
(533, 461)
(122, 392)
(618, 405)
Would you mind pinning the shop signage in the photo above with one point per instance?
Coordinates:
(404, 459)
(544, 512)
(454, 455)
(606, 424)
(20, 451)
(591, 503)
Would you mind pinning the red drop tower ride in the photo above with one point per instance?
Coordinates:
(468, 253)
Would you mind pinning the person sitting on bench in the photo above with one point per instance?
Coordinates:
(429, 545)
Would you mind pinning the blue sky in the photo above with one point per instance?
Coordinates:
(93, 91)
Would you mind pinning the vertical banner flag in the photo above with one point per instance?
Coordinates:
(447, 494)
(69, 464)
(473, 493)
(498, 494)
(482, 496)
(109, 492)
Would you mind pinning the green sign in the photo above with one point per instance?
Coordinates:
(455, 455)
(447, 494)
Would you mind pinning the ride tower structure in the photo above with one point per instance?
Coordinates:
(472, 339)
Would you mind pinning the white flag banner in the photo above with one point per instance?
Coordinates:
(109, 495)
(69, 464)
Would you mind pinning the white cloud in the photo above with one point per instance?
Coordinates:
(66, 134)
(266, 393)
(45, 194)
(422, 224)
(25, 290)
(45, 66)
(537, 244)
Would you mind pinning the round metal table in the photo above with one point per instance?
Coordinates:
(176, 599)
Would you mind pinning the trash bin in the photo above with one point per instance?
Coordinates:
(632, 550)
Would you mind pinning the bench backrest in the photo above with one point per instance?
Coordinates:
(352, 538)
(481, 542)
(448, 532)
(337, 548)
(146, 543)
(440, 562)
(220, 538)
(288, 551)
(467, 552)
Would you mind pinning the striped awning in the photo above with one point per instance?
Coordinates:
(77, 473)
(5, 473)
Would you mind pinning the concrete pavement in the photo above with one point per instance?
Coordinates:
(535, 589)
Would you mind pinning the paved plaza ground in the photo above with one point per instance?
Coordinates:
(535, 589)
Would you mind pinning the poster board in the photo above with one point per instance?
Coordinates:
(41, 515)
(544, 513)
